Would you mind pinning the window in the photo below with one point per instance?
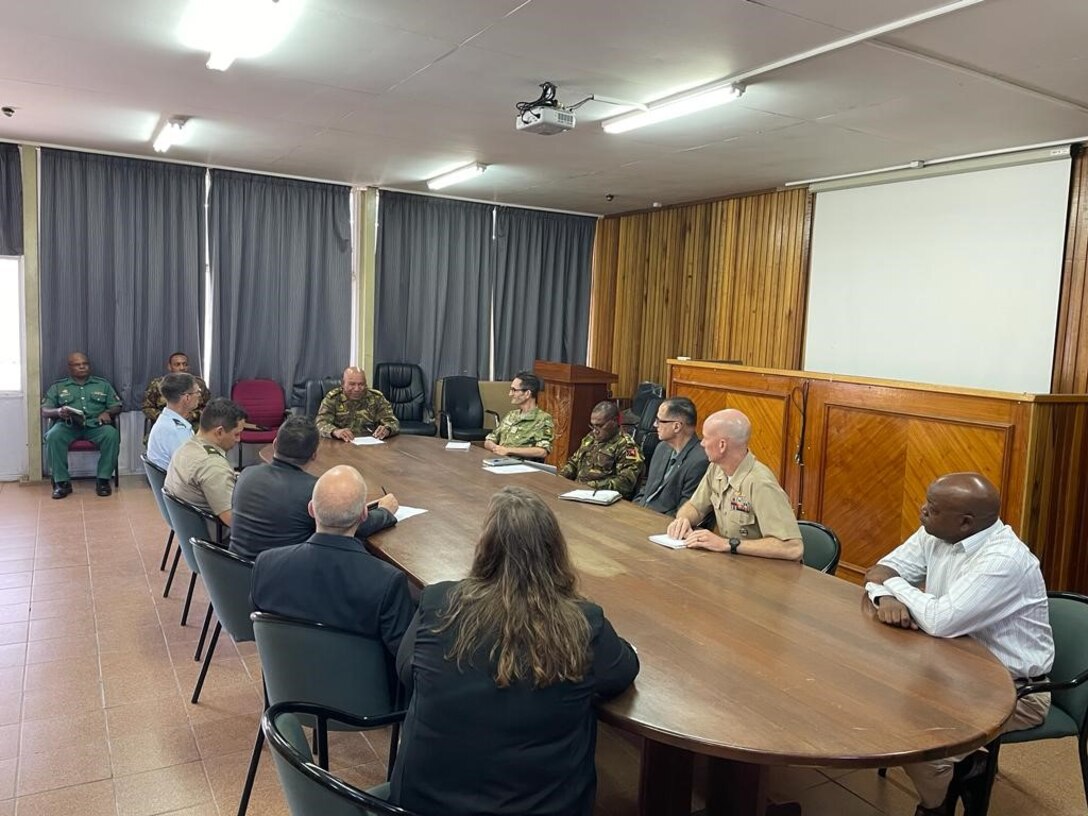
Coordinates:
(11, 325)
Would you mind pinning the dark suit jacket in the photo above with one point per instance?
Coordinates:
(269, 509)
(333, 579)
(685, 477)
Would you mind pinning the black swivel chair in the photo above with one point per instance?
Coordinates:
(462, 414)
(402, 384)
(306, 396)
(645, 432)
(636, 404)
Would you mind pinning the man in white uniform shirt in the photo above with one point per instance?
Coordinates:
(171, 430)
(980, 580)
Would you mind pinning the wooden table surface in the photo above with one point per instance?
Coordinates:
(753, 661)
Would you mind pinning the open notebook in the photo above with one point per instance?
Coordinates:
(591, 496)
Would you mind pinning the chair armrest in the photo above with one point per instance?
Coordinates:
(1036, 688)
(498, 419)
(444, 417)
(428, 413)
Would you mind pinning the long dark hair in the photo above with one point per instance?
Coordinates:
(521, 596)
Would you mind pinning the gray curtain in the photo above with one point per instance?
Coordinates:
(11, 201)
(121, 262)
(542, 276)
(281, 278)
(434, 280)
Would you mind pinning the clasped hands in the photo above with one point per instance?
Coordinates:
(681, 530)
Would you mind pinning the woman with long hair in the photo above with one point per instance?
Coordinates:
(504, 668)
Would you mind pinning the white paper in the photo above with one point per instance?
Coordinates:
(592, 495)
(367, 440)
(451, 445)
(671, 543)
(404, 512)
(505, 469)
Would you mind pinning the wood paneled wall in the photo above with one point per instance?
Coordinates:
(1071, 348)
(721, 280)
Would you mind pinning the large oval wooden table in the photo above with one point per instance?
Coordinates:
(752, 662)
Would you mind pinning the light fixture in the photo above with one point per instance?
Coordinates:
(456, 176)
(675, 106)
(237, 29)
(169, 134)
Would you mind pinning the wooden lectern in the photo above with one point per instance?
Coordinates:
(569, 394)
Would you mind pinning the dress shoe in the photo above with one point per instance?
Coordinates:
(61, 489)
(102, 487)
(940, 810)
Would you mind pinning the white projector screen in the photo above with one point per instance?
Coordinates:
(951, 280)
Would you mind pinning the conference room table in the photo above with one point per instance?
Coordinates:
(752, 662)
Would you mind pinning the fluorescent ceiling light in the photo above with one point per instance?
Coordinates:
(237, 29)
(170, 133)
(456, 176)
(673, 107)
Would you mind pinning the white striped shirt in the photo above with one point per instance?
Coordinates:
(988, 585)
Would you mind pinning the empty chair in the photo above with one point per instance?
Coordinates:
(403, 385)
(156, 477)
(645, 433)
(462, 414)
(226, 578)
(306, 396)
(634, 406)
(190, 522)
(822, 547)
(262, 401)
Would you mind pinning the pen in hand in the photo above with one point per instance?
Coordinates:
(370, 505)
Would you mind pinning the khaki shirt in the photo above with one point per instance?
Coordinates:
(93, 397)
(154, 401)
(750, 504)
(531, 429)
(200, 474)
(362, 416)
(614, 464)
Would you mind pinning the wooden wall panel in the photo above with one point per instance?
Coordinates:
(1071, 346)
(719, 280)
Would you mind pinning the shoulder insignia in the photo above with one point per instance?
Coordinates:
(178, 422)
(211, 449)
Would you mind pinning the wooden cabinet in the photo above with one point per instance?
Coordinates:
(857, 454)
(570, 392)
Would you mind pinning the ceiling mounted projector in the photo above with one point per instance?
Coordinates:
(544, 120)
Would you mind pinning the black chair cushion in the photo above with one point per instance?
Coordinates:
(418, 428)
(402, 385)
(461, 402)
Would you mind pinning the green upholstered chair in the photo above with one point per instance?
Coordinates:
(822, 547)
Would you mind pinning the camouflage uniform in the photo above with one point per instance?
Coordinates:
(531, 429)
(612, 465)
(200, 474)
(361, 416)
(93, 396)
(154, 401)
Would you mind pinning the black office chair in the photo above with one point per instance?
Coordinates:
(822, 547)
(306, 396)
(462, 414)
(645, 432)
(403, 385)
(633, 407)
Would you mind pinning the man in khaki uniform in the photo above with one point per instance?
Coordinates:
(155, 402)
(526, 431)
(752, 511)
(199, 472)
(608, 458)
(354, 410)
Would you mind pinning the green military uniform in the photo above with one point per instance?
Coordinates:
(94, 396)
(361, 416)
(750, 504)
(529, 429)
(614, 464)
(154, 401)
(200, 474)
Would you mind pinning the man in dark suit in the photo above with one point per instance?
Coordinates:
(678, 465)
(331, 578)
(270, 501)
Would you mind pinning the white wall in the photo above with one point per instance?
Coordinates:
(13, 450)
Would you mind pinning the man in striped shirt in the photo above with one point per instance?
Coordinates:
(980, 580)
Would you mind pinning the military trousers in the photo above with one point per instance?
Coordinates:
(57, 439)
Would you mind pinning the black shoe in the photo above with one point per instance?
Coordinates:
(102, 487)
(61, 489)
(937, 811)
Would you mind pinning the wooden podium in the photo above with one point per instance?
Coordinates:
(569, 394)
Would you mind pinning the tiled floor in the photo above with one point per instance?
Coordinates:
(96, 675)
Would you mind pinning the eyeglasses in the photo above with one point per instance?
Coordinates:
(516, 390)
(660, 421)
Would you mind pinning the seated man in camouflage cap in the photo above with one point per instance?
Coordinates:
(526, 431)
(354, 410)
(607, 459)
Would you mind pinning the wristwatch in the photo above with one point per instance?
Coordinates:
(733, 544)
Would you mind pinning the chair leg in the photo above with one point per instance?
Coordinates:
(203, 633)
(188, 599)
(251, 774)
(166, 552)
(207, 663)
(1083, 742)
(882, 772)
(323, 742)
(173, 569)
(394, 741)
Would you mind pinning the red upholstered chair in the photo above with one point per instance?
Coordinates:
(263, 402)
(87, 446)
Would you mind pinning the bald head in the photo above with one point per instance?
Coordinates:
(79, 367)
(959, 505)
(353, 382)
(338, 504)
(731, 424)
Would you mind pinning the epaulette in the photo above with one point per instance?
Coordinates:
(180, 424)
(212, 449)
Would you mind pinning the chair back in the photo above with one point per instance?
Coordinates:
(156, 477)
(822, 547)
(227, 578)
(306, 396)
(645, 434)
(188, 523)
(461, 402)
(402, 385)
(645, 391)
(262, 401)
(1069, 623)
(310, 662)
(308, 788)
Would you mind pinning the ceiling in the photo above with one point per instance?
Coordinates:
(391, 92)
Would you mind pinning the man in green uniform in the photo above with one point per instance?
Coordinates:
(154, 401)
(608, 458)
(199, 472)
(83, 407)
(354, 410)
(526, 431)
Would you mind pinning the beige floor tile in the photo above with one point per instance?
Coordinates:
(9, 741)
(41, 704)
(12, 654)
(39, 736)
(14, 613)
(63, 767)
(158, 714)
(94, 799)
(226, 736)
(13, 633)
(162, 790)
(151, 750)
(45, 651)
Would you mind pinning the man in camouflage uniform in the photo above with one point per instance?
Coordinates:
(607, 459)
(354, 410)
(526, 431)
(83, 407)
(154, 401)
